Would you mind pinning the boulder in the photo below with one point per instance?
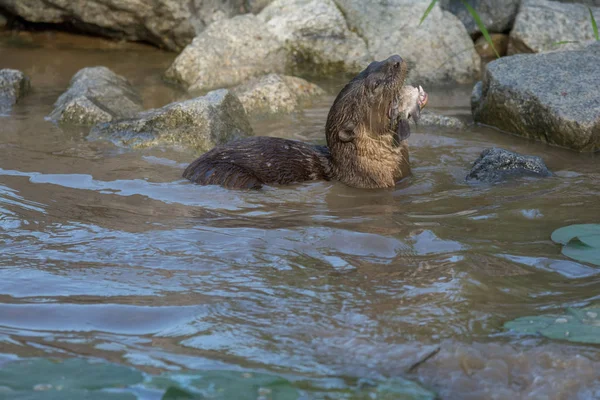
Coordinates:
(13, 86)
(171, 24)
(440, 50)
(197, 124)
(430, 118)
(272, 94)
(316, 36)
(496, 165)
(497, 16)
(541, 24)
(228, 53)
(552, 97)
(96, 94)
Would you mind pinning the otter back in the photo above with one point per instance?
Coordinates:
(253, 162)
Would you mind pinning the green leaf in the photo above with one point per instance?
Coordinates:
(222, 385)
(580, 242)
(395, 389)
(565, 42)
(70, 374)
(578, 325)
(174, 393)
(480, 25)
(594, 26)
(65, 395)
(426, 13)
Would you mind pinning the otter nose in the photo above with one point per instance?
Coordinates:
(395, 61)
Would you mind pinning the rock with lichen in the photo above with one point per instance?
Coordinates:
(497, 165)
(273, 94)
(198, 124)
(96, 94)
(14, 84)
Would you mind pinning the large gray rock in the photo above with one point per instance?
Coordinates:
(552, 97)
(496, 165)
(167, 23)
(541, 24)
(497, 15)
(316, 35)
(273, 94)
(228, 53)
(439, 50)
(13, 85)
(96, 94)
(198, 124)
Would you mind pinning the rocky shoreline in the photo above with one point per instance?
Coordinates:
(240, 58)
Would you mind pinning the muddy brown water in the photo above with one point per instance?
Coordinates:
(107, 252)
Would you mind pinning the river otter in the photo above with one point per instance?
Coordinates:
(366, 148)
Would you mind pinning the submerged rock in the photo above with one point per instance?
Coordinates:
(197, 124)
(552, 97)
(497, 15)
(166, 23)
(316, 35)
(228, 53)
(13, 86)
(541, 24)
(271, 94)
(96, 94)
(429, 118)
(439, 50)
(496, 165)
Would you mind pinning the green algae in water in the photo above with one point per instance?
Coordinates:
(577, 325)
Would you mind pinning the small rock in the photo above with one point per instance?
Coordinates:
(198, 124)
(13, 86)
(552, 97)
(496, 15)
(228, 53)
(432, 119)
(541, 24)
(96, 94)
(486, 51)
(316, 35)
(495, 165)
(274, 93)
(440, 50)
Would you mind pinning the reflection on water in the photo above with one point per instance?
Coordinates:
(108, 252)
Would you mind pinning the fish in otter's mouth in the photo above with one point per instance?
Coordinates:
(407, 104)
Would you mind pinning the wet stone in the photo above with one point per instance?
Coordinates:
(96, 94)
(496, 165)
(198, 124)
(273, 94)
(551, 97)
(13, 86)
(430, 118)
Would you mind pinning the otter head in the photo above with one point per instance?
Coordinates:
(363, 127)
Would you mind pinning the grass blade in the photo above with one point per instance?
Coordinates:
(426, 13)
(594, 26)
(480, 25)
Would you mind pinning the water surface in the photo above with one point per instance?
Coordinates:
(106, 252)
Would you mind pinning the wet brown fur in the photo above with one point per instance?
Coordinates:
(363, 151)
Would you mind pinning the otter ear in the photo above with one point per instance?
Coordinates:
(346, 133)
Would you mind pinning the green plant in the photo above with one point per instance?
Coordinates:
(475, 17)
(594, 25)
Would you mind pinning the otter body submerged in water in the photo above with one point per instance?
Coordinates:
(366, 130)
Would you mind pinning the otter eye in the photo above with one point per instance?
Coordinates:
(397, 65)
